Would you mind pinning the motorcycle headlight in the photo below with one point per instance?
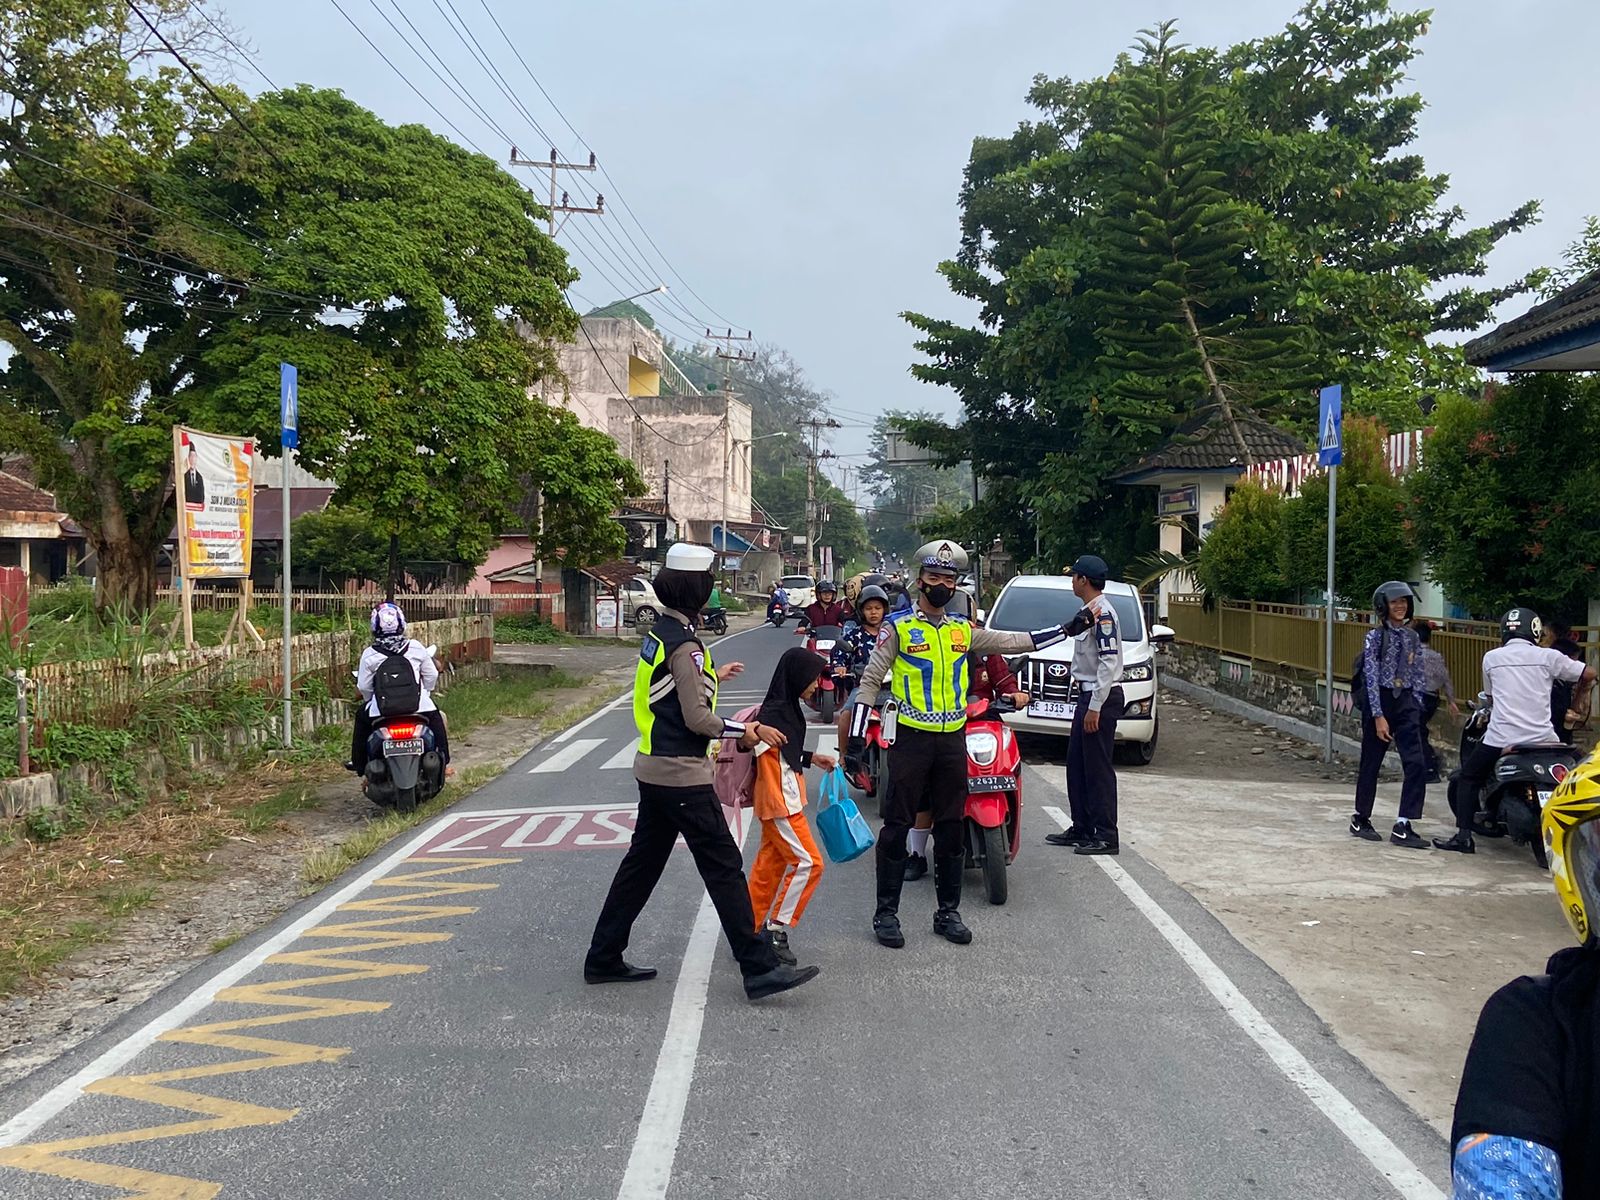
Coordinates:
(1140, 673)
(982, 748)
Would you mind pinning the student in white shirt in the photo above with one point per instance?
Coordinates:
(389, 637)
(1517, 677)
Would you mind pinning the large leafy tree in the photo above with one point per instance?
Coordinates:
(1333, 226)
(1186, 322)
(1240, 559)
(1505, 515)
(98, 261)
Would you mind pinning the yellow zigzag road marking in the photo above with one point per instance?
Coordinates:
(378, 933)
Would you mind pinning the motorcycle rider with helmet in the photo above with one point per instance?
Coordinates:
(1517, 678)
(1393, 685)
(924, 657)
(826, 609)
(852, 650)
(1529, 1101)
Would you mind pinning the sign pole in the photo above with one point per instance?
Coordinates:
(289, 406)
(1333, 491)
(1330, 453)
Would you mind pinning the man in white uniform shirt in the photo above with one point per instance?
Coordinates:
(1517, 677)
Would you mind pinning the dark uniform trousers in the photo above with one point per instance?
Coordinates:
(1404, 715)
(1466, 783)
(696, 814)
(927, 772)
(1091, 778)
(1430, 756)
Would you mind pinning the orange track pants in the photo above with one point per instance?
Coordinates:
(787, 869)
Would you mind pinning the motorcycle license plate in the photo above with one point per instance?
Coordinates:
(1544, 798)
(1058, 710)
(403, 746)
(991, 783)
(824, 647)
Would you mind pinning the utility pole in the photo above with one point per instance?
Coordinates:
(729, 355)
(554, 166)
(813, 515)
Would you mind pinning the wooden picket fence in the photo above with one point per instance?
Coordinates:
(108, 691)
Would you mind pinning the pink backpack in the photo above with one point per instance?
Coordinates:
(735, 777)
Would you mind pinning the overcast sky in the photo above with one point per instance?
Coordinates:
(799, 163)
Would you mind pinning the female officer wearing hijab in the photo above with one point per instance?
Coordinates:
(674, 706)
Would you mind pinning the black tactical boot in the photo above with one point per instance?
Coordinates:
(947, 923)
(886, 920)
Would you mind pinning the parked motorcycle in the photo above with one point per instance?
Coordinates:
(716, 620)
(1523, 780)
(994, 794)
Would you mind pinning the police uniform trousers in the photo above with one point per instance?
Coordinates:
(1091, 778)
(927, 773)
(1404, 714)
(695, 813)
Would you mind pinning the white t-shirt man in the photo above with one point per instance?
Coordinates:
(1518, 677)
(421, 662)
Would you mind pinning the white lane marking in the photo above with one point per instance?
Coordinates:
(622, 758)
(593, 717)
(566, 756)
(1390, 1161)
(655, 1147)
(27, 1122)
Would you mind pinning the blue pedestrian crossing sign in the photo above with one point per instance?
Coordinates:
(289, 404)
(1330, 429)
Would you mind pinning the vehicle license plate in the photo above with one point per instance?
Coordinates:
(403, 746)
(992, 783)
(1544, 798)
(1060, 710)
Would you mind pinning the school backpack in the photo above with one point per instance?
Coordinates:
(396, 687)
(735, 775)
(1358, 672)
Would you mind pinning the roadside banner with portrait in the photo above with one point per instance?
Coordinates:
(216, 494)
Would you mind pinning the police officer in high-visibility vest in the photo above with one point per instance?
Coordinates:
(674, 706)
(924, 655)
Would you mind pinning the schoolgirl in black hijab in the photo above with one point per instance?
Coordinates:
(796, 675)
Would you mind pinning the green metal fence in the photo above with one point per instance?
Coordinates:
(1292, 635)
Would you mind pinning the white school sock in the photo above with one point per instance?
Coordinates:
(917, 841)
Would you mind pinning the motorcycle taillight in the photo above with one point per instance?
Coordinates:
(1559, 772)
(402, 731)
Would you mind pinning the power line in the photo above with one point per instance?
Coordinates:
(612, 183)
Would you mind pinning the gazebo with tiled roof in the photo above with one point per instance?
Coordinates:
(1196, 468)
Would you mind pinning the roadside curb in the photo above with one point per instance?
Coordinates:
(1345, 748)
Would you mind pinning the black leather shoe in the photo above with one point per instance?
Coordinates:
(1072, 836)
(781, 978)
(1461, 843)
(621, 973)
(1096, 846)
(916, 867)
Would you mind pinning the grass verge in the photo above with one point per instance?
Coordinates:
(67, 883)
(330, 862)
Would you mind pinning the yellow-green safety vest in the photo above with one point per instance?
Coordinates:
(929, 676)
(656, 710)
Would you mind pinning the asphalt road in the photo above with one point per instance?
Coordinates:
(422, 1029)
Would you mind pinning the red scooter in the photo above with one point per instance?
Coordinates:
(821, 640)
(994, 794)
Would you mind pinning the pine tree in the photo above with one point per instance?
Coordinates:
(1183, 323)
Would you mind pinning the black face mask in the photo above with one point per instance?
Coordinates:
(938, 594)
